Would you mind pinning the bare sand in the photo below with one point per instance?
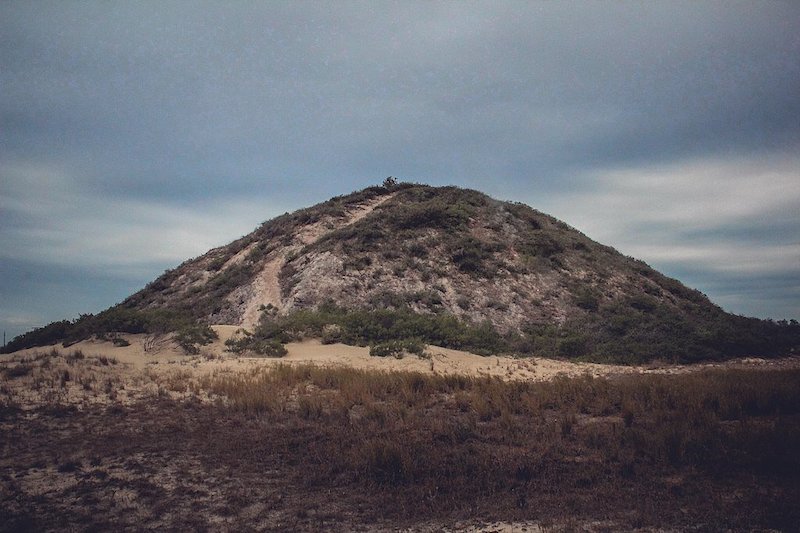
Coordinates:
(161, 353)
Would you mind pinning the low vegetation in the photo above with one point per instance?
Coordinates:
(398, 348)
(397, 327)
(107, 325)
(304, 448)
(637, 332)
(602, 306)
(249, 344)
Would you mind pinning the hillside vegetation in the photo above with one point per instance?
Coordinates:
(446, 266)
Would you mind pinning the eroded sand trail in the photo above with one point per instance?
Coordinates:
(266, 286)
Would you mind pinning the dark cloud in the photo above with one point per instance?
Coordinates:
(183, 103)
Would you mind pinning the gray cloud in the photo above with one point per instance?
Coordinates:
(213, 116)
(725, 225)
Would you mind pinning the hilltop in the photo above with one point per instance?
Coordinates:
(442, 265)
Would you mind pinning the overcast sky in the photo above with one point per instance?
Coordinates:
(135, 135)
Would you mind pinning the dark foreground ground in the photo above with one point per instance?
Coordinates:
(305, 449)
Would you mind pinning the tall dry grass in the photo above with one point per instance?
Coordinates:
(712, 451)
(702, 419)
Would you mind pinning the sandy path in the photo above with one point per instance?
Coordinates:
(267, 290)
(266, 286)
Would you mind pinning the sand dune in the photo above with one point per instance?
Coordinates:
(149, 351)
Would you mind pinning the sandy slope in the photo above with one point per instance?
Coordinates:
(145, 351)
(148, 352)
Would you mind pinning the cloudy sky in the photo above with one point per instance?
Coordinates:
(135, 135)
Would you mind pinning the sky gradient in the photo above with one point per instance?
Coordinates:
(136, 135)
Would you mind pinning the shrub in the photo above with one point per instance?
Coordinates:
(190, 338)
(587, 299)
(397, 348)
(417, 250)
(435, 213)
(643, 303)
(216, 263)
(120, 342)
(118, 319)
(17, 371)
(358, 263)
(256, 345)
(46, 335)
(474, 257)
(572, 346)
(331, 334)
(363, 327)
(541, 245)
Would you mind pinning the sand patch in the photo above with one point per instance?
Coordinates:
(267, 290)
(149, 351)
(99, 372)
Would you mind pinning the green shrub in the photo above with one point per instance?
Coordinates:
(587, 299)
(268, 348)
(572, 346)
(217, 263)
(256, 346)
(362, 327)
(331, 334)
(120, 342)
(117, 319)
(397, 348)
(43, 336)
(190, 338)
(417, 250)
(473, 256)
(540, 245)
(643, 303)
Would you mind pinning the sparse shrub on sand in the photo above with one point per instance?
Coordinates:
(249, 344)
(107, 324)
(363, 327)
(120, 341)
(397, 348)
(191, 337)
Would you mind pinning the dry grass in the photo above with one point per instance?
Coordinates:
(453, 441)
(310, 448)
(73, 379)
